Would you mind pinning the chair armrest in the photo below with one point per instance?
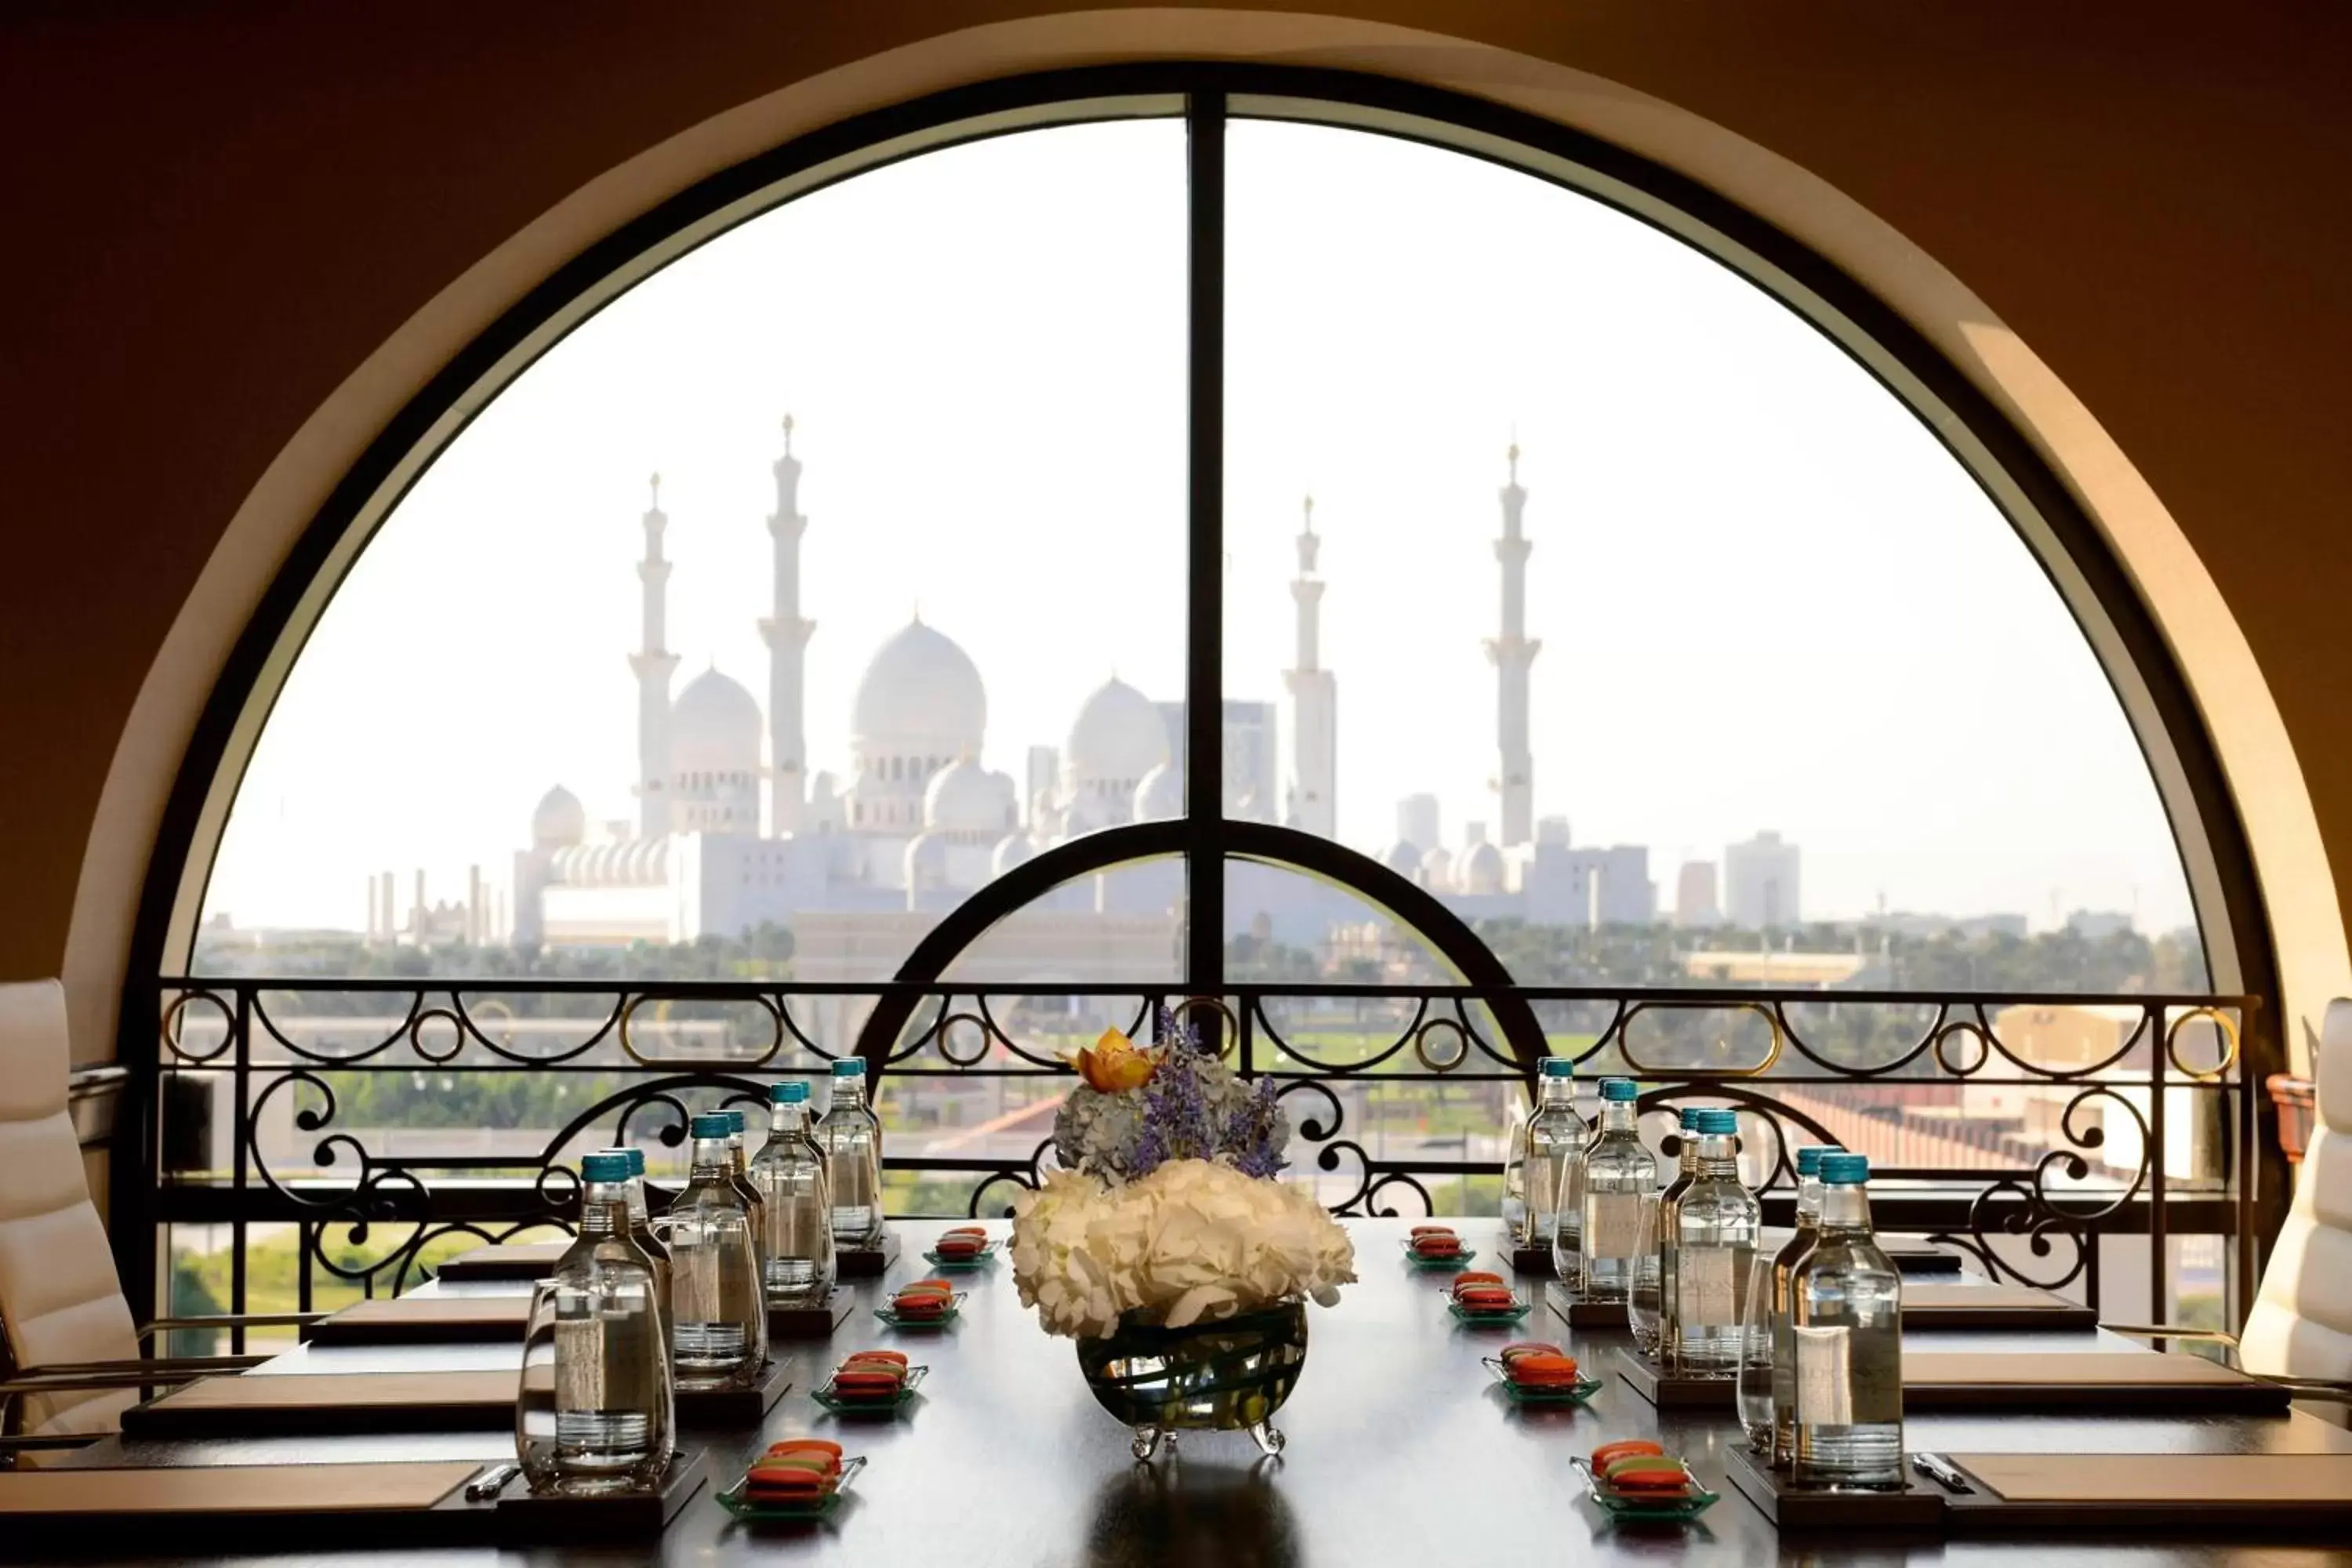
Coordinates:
(2171, 1331)
(2332, 1390)
(230, 1320)
(163, 1369)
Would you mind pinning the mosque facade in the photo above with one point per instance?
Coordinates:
(733, 831)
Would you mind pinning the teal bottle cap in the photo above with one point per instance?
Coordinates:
(849, 1067)
(1840, 1169)
(1809, 1158)
(735, 1122)
(1713, 1120)
(636, 1161)
(1690, 1118)
(1619, 1089)
(717, 1124)
(792, 1091)
(608, 1167)
(1556, 1066)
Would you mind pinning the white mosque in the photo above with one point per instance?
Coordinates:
(731, 832)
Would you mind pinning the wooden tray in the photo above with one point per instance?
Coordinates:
(421, 1320)
(2094, 1381)
(1532, 1262)
(867, 1262)
(1673, 1393)
(1578, 1313)
(735, 1408)
(327, 1403)
(1992, 1307)
(1918, 1509)
(528, 1260)
(2308, 1495)
(526, 1521)
(811, 1322)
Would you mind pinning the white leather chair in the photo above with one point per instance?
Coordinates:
(2301, 1324)
(69, 1329)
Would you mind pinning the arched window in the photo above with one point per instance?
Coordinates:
(1358, 536)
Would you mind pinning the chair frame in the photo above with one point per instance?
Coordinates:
(145, 1373)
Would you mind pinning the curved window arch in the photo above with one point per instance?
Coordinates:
(1228, 485)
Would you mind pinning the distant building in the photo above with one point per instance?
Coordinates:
(1695, 903)
(2097, 925)
(1970, 927)
(1250, 765)
(1761, 882)
(1417, 820)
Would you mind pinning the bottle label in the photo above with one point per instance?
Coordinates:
(1613, 1226)
(1824, 1376)
(1705, 1295)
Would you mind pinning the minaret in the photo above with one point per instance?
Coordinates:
(652, 664)
(1512, 653)
(1313, 800)
(787, 635)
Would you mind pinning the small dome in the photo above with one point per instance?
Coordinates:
(926, 861)
(1482, 869)
(559, 820)
(964, 797)
(1403, 857)
(920, 695)
(1118, 737)
(714, 728)
(1437, 868)
(1011, 851)
(1160, 795)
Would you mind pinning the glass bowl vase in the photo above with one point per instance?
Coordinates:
(1229, 1375)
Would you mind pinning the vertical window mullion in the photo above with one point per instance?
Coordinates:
(1204, 706)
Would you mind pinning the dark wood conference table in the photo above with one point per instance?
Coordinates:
(1401, 1453)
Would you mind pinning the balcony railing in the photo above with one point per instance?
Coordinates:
(382, 1118)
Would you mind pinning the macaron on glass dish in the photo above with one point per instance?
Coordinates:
(1485, 1299)
(1534, 1372)
(796, 1480)
(1636, 1480)
(925, 1304)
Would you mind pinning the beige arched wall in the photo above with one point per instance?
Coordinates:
(274, 237)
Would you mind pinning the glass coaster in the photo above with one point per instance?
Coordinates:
(1576, 1392)
(890, 1406)
(889, 1315)
(1488, 1316)
(1459, 1261)
(961, 1265)
(735, 1500)
(1634, 1508)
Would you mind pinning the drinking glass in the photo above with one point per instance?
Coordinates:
(535, 1399)
(1752, 1365)
(1643, 1304)
(1516, 1208)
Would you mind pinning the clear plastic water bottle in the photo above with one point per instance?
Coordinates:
(1555, 1163)
(1715, 1223)
(641, 1231)
(851, 1137)
(1846, 1318)
(718, 1313)
(1784, 1268)
(796, 1238)
(738, 1161)
(1669, 1203)
(613, 1410)
(1619, 1169)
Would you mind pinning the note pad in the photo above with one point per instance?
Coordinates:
(2120, 1380)
(424, 1319)
(328, 1403)
(234, 1489)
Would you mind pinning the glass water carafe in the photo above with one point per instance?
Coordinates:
(594, 1413)
(851, 1137)
(1715, 1223)
(641, 1231)
(1784, 1268)
(1845, 1305)
(1669, 1201)
(1619, 1169)
(739, 1167)
(1556, 1165)
(718, 1312)
(796, 1204)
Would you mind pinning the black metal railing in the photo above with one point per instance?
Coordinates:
(381, 1118)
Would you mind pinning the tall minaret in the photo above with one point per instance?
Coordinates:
(652, 664)
(787, 635)
(1313, 801)
(1513, 652)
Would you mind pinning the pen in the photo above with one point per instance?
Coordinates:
(1938, 1470)
(490, 1482)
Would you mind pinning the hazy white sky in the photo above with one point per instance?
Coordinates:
(1768, 598)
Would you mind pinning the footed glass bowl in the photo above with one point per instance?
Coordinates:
(1227, 1376)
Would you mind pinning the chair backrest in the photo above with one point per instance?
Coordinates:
(60, 1297)
(2301, 1319)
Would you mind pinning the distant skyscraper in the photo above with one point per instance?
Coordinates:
(1512, 652)
(1312, 805)
(1761, 882)
(1417, 822)
(1694, 903)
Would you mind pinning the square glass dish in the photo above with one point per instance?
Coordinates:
(1632, 1507)
(890, 1314)
(1577, 1393)
(736, 1500)
(839, 1406)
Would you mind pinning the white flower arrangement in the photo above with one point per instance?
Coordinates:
(1194, 1241)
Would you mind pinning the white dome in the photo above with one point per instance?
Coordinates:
(1119, 738)
(1482, 869)
(1160, 795)
(1437, 868)
(1401, 857)
(559, 819)
(714, 727)
(926, 861)
(921, 695)
(1013, 849)
(964, 797)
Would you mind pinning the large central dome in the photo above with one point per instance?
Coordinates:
(920, 695)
